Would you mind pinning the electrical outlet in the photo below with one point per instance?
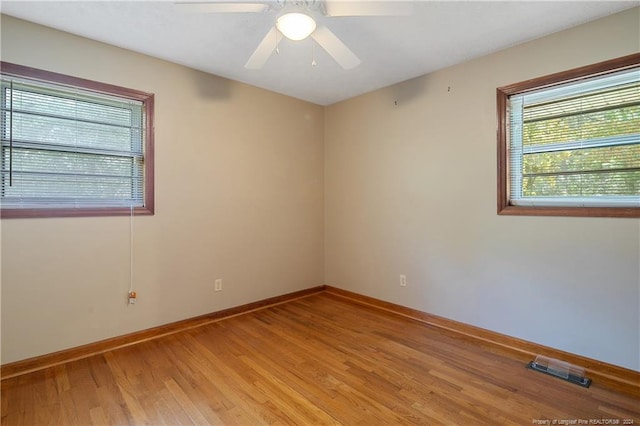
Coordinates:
(218, 285)
(403, 280)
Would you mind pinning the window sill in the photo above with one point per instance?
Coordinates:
(510, 210)
(74, 212)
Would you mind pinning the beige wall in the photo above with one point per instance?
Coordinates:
(411, 189)
(239, 196)
(408, 189)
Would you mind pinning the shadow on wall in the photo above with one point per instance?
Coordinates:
(210, 86)
(406, 92)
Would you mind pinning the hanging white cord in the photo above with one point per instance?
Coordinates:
(131, 251)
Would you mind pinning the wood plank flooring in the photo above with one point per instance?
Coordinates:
(312, 361)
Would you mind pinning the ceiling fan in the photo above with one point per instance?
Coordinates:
(296, 22)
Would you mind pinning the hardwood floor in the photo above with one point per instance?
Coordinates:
(316, 360)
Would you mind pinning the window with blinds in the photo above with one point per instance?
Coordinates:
(574, 144)
(69, 148)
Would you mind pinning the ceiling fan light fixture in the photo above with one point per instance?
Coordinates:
(296, 26)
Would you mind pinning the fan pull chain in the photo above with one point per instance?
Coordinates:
(275, 34)
(313, 53)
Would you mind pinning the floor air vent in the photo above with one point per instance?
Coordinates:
(561, 369)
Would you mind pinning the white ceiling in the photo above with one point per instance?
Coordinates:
(392, 49)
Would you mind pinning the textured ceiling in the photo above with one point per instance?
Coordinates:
(434, 35)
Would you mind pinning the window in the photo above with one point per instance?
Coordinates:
(569, 143)
(73, 147)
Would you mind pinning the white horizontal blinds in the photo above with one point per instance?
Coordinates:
(515, 148)
(69, 147)
(577, 144)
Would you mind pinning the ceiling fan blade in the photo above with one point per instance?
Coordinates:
(368, 8)
(221, 7)
(266, 47)
(335, 47)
